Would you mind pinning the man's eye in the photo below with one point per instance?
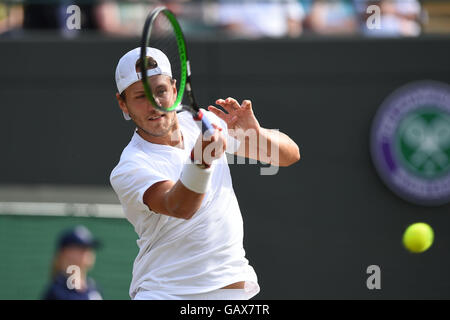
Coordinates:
(140, 96)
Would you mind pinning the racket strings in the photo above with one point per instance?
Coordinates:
(162, 36)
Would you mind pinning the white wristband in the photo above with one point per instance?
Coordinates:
(195, 178)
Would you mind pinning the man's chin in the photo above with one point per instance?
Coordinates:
(160, 132)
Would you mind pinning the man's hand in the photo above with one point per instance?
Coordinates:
(238, 116)
(207, 149)
(271, 146)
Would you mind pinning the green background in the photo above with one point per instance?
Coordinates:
(27, 244)
(406, 152)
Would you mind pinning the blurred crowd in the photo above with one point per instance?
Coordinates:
(239, 19)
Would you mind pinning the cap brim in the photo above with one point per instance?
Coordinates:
(94, 244)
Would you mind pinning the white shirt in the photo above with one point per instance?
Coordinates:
(178, 256)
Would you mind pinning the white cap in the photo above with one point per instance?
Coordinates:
(126, 73)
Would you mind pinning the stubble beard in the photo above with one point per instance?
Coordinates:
(162, 132)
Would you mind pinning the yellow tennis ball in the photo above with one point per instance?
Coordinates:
(418, 237)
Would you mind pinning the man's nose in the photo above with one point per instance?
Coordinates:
(150, 105)
(157, 101)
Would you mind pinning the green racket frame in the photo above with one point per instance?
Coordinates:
(181, 44)
(185, 81)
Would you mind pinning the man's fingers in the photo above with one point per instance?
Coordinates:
(220, 102)
(215, 147)
(209, 136)
(215, 126)
(233, 103)
(247, 104)
(217, 112)
(229, 104)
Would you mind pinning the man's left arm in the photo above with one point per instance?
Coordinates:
(265, 145)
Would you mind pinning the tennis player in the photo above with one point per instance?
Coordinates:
(175, 188)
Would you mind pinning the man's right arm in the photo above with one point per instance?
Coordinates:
(173, 199)
(183, 198)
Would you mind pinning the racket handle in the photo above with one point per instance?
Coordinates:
(207, 128)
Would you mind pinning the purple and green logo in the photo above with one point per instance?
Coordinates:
(410, 142)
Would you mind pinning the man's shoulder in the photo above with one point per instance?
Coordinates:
(134, 158)
(133, 151)
(130, 158)
(132, 155)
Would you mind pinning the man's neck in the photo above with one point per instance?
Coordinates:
(173, 138)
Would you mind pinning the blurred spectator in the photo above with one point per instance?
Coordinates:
(435, 18)
(267, 18)
(74, 257)
(11, 16)
(123, 18)
(244, 19)
(331, 17)
(398, 17)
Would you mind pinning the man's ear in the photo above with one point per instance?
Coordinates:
(174, 86)
(122, 103)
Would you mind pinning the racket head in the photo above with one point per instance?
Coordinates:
(163, 32)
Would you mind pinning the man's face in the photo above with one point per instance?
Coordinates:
(150, 120)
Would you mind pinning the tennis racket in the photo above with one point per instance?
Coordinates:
(162, 31)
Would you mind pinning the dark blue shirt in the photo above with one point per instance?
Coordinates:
(58, 290)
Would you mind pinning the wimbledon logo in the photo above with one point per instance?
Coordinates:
(410, 142)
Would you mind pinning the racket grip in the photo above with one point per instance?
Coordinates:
(207, 128)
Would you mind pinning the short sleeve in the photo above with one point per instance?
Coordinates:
(130, 181)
